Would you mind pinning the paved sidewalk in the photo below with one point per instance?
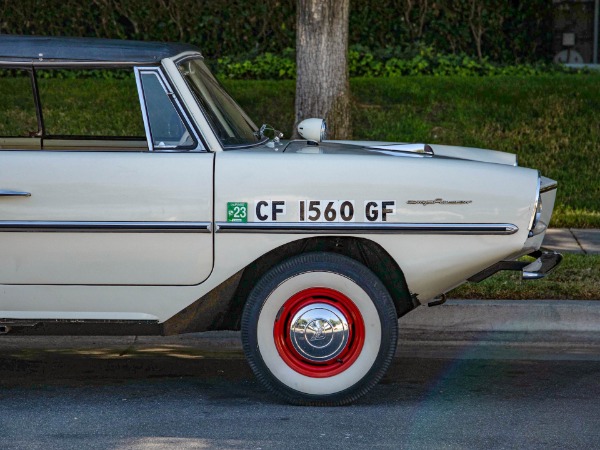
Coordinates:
(573, 240)
(505, 316)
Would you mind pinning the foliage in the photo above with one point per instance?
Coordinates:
(267, 66)
(426, 61)
(504, 31)
(389, 62)
(219, 27)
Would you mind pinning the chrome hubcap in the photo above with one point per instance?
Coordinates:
(319, 332)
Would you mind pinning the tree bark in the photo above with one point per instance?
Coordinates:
(322, 87)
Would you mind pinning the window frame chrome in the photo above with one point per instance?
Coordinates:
(177, 104)
(188, 56)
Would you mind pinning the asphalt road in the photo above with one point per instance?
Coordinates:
(165, 397)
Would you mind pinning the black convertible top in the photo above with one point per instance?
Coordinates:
(61, 49)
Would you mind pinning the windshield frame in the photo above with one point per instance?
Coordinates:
(260, 139)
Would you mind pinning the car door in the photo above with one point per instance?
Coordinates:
(103, 201)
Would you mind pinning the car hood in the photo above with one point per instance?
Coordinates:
(377, 148)
(448, 151)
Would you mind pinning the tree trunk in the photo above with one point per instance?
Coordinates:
(322, 87)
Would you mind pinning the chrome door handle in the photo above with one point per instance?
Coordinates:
(9, 193)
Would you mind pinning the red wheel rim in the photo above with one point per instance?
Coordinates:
(330, 302)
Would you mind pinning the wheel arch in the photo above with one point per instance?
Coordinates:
(365, 251)
(221, 309)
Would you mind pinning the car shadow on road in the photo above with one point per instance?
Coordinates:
(408, 379)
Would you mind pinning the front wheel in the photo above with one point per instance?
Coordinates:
(319, 329)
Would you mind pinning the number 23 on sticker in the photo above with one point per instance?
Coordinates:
(326, 211)
(237, 212)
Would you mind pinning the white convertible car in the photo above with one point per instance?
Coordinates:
(136, 197)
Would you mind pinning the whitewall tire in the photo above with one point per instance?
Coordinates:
(319, 329)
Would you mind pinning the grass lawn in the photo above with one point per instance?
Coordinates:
(578, 277)
(551, 122)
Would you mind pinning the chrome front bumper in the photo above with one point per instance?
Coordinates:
(546, 261)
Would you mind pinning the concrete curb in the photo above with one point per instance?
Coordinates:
(506, 316)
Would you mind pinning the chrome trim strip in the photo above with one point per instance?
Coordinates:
(103, 227)
(9, 193)
(422, 149)
(367, 228)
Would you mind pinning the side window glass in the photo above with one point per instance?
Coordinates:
(98, 104)
(167, 128)
(18, 118)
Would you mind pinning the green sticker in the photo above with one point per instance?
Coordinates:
(237, 212)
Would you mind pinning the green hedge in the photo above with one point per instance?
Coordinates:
(362, 62)
(501, 30)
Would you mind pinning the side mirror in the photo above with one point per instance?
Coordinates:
(313, 130)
